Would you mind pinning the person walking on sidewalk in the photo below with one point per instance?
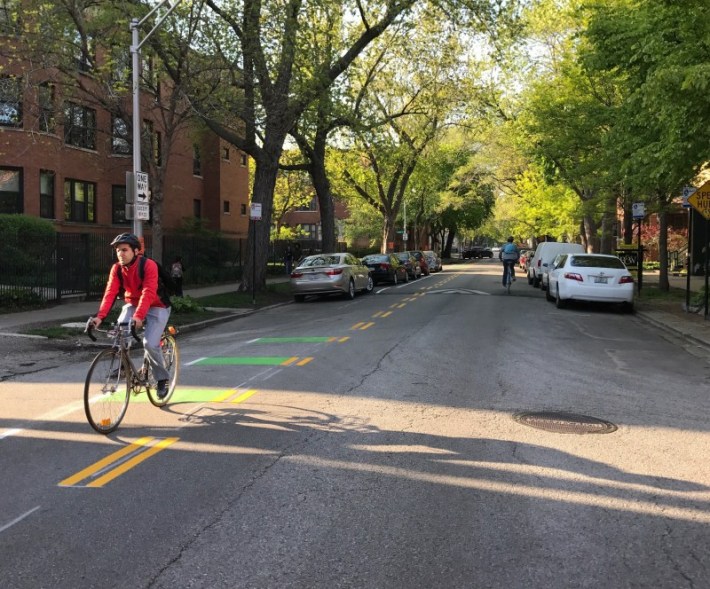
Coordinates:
(143, 305)
(176, 271)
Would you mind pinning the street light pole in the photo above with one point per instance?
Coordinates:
(136, 45)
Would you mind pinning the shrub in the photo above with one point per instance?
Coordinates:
(29, 244)
(185, 304)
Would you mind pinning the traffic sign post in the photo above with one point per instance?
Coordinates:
(254, 216)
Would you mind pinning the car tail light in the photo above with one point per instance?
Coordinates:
(574, 276)
(384, 266)
(296, 274)
(626, 279)
(334, 271)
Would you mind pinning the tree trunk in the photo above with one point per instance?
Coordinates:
(258, 242)
(446, 253)
(388, 233)
(590, 234)
(321, 183)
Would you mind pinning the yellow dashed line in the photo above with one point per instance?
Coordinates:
(290, 361)
(401, 305)
(343, 339)
(377, 314)
(224, 396)
(244, 396)
(357, 325)
(386, 313)
(304, 361)
(366, 325)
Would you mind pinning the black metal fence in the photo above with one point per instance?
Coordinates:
(77, 264)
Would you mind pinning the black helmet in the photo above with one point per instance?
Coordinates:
(128, 238)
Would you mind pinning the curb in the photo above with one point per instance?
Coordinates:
(700, 342)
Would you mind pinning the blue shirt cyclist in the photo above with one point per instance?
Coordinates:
(509, 255)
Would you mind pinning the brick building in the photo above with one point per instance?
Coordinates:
(64, 156)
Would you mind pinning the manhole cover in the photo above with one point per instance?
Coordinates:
(565, 423)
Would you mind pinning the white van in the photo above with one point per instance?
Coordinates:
(544, 254)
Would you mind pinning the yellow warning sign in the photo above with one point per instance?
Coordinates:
(700, 200)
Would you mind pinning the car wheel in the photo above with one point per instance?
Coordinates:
(627, 307)
(536, 282)
(559, 303)
(530, 280)
(370, 284)
(548, 294)
(299, 298)
(406, 277)
(351, 290)
(395, 280)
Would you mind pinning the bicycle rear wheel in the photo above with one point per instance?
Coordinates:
(171, 359)
(106, 391)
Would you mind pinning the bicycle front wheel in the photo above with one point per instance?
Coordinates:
(171, 359)
(106, 391)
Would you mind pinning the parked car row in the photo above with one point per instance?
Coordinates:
(477, 251)
(566, 273)
(345, 274)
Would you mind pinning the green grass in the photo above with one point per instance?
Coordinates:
(274, 293)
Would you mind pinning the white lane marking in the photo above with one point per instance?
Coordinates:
(18, 519)
(195, 361)
(10, 432)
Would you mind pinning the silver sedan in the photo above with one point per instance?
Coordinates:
(320, 274)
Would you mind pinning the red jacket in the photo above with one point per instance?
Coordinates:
(142, 296)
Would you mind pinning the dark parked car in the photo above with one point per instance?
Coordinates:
(421, 259)
(477, 251)
(410, 263)
(386, 268)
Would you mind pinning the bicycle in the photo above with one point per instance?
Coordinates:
(112, 376)
(508, 274)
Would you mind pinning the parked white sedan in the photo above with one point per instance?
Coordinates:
(590, 277)
(337, 273)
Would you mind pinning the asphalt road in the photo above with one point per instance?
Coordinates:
(372, 443)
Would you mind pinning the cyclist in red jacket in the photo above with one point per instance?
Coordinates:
(143, 305)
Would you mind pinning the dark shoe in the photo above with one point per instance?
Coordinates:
(162, 389)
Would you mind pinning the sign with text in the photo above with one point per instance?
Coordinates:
(142, 188)
(700, 200)
(638, 210)
(255, 211)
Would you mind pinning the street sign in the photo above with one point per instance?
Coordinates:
(141, 211)
(687, 191)
(638, 210)
(142, 188)
(700, 200)
(405, 236)
(255, 211)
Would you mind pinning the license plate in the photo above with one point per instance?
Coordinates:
(313, 276)
(600, 279)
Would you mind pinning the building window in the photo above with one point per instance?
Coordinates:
(311, 230)
(118, 205)
(45, 100)
(226, 207)
(46, 194)
(196, 161)
(244, 159)
(311, 206)
(225, 153)
(120, 137)
(11, 191)
(79, 126)
(79, 201)
(197, 208)
(84, 52)
(243, 210)
(10, 101)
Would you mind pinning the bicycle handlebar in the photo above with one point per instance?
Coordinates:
(90, 328)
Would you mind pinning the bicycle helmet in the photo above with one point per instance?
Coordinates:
(128, 238)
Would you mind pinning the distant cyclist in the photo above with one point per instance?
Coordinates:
(143, 305)
(509, 255)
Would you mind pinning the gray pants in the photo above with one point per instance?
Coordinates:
(155, 322)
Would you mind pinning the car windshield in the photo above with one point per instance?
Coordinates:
(322, 260)
(596, 262)
(375, 259)
(403, 257)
